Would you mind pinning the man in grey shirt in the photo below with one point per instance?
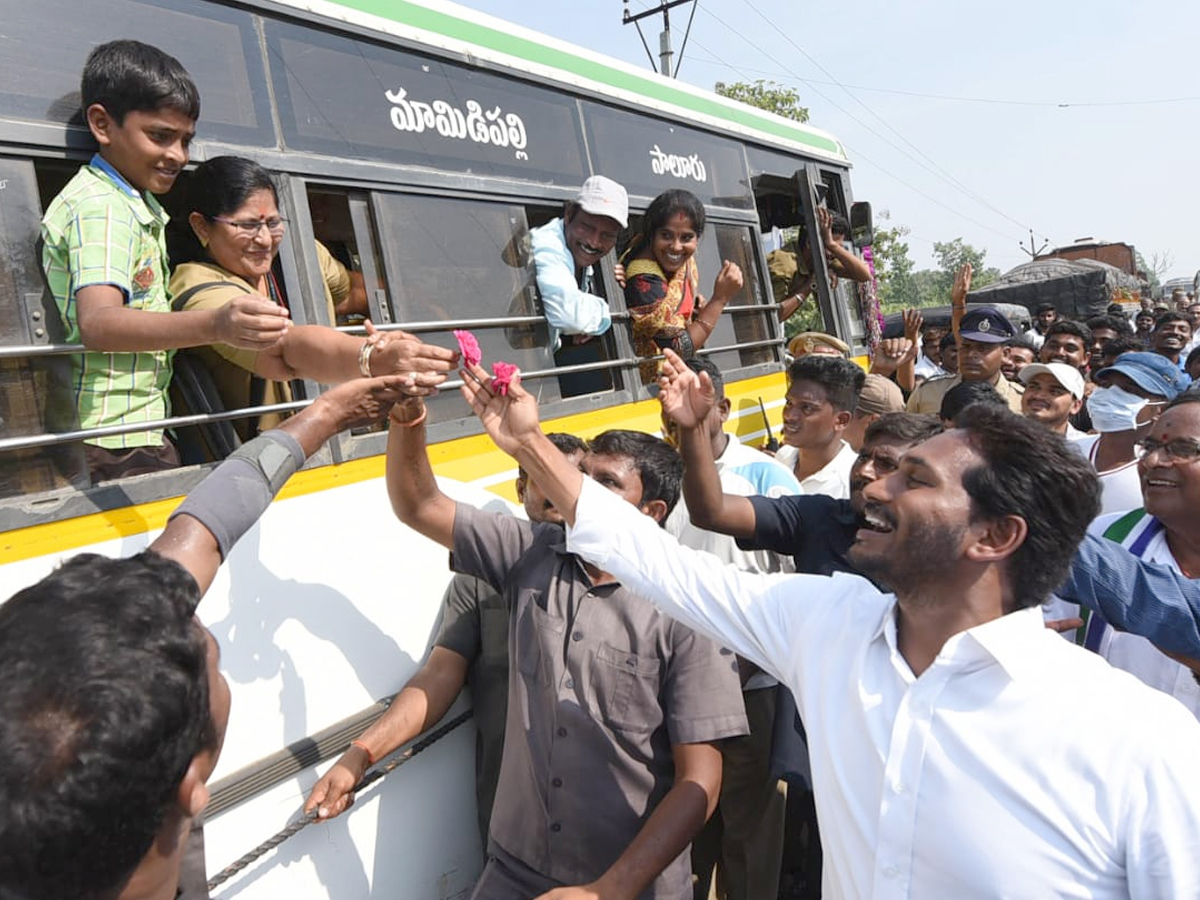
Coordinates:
(608, 766)
(471, 649)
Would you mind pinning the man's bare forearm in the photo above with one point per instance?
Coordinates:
(553, 473)
(668, 831)
(708, 506)
(416, 499)
(420, 704)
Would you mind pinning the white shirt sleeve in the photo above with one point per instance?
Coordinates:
(567, 308)
(1163, 818)
(759, 616)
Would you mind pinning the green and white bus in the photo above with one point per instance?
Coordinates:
(419, 141)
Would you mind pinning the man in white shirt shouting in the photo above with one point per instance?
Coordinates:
(966, 751)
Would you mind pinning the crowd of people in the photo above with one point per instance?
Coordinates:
(872, 636)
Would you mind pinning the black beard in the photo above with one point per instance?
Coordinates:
(917, 565)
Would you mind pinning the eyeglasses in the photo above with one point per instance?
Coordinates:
(1181, 450)
(249, 227)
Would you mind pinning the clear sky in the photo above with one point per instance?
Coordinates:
(1117, 163)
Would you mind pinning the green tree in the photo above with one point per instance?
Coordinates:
(769, 95)
(893, 266)
(951, 256)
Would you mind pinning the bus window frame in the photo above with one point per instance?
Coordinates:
(838, 199)
(807, 178)
(626, 386)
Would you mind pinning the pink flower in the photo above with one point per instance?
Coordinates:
(502, 376)
(469, 347)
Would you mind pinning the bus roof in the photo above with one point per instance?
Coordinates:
(484, 38)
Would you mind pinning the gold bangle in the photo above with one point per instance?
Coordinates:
(708, 329)
(364, 359)
(409, 423)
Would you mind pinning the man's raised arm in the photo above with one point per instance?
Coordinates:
(416, 499)
(708, 506)
(211, 519)
(723, 603)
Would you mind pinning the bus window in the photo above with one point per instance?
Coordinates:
(743, 322)
(452, 261)
(737, 325)
(338, 254)
(217, 45)
(35, 391)
(581, 350)
(736, 243)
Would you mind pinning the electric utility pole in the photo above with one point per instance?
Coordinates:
(664, 40)
(1033, 253)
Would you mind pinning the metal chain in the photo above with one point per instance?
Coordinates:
(308, 818)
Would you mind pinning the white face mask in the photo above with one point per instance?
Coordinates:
(1115, 409)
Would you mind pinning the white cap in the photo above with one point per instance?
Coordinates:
(1068, 376)
(604, 197)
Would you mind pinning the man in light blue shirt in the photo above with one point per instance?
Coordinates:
(566, 249)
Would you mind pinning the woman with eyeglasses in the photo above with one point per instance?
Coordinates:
(1165, 531)
(233, 212)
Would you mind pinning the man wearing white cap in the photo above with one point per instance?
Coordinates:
(565, 251)
(1053, 393)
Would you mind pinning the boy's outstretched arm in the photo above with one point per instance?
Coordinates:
(107, 325)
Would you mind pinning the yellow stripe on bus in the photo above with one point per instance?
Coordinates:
(468, 459)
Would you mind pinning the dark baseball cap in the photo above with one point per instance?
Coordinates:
(983, 323)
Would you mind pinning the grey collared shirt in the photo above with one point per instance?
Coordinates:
(475, 626)
(601, 685)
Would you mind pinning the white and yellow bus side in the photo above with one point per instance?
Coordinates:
(419, 142)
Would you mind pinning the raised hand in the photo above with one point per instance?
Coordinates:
(913, 323)
(686, 398)
(825, 226)
(251, 322)
(891, 354)
(962, 285)
(512, 419)
(729, 282)
(619, 274)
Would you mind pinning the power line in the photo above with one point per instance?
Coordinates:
(953, 180)
(863, 156)
(1048, 104)
(888, 172)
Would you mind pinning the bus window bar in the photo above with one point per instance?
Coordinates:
(25, 351)
(66, 437)
(27, 442)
